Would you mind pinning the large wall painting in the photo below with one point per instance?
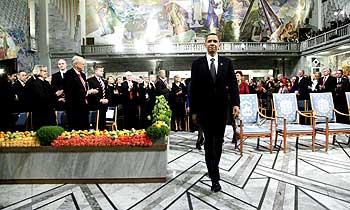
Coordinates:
(182, 21)
(8, 49)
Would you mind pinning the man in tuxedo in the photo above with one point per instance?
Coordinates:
(57, 83)
(100, 100)
(76, 92)
(213, 82)
(327, 83)
(340, 102)
(162, 86)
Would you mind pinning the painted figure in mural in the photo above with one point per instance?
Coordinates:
(177, 18)
(197, 12)
(215, 12)
(106, 14)
(3, 45)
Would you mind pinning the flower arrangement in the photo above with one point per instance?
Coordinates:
(161, 116)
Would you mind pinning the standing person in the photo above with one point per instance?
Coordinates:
(76, 92)
(212, 84)
(130, 93)
(100, 100)
(41, 98)
(57, 83)
(243, 88)
(302, 91)
(18, 87)
(162, 86)
(7, 97)
(339, 99)
(178, 95)
(327, 83)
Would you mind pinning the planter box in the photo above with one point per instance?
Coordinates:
(83, 164)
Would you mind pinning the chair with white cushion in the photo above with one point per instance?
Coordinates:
(325, 113)
(249, 125)
(287, 118)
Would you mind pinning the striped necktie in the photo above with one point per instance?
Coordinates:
(102, 85)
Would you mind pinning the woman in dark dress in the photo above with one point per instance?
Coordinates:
(178, 98)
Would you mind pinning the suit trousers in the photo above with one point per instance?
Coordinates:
(213, 150)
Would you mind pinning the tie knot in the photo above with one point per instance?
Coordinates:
(212, 59)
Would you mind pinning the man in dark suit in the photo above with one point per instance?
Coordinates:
(100, 100)
(340, 102)
(213, 82)
(57, 83)
(76, 92)
(130, 93)
(162, 86)
(303, 83)
(18, 87)
(327, 83)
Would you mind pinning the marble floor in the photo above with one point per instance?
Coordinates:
(298, 179)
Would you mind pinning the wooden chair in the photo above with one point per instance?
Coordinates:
(249, 125)
(94, 117)
(61, 118)
(111, 118)
(325, 113)
(287, 118)
(21, 121)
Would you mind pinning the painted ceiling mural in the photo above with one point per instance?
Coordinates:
(181, 21)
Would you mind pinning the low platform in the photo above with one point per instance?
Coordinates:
(83, 164)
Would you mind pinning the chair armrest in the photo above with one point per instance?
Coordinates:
(341, 113)
(264, 116)
(305, 115)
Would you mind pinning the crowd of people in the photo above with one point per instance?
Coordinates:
(326, 81)
(69, 90)
(332, 25)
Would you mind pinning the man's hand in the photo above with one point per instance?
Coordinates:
(104, 101)
(235, 111)
(195, 119)
(92, 92)
(59, 92)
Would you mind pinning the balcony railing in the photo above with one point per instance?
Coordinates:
(130, 49)
(325, 38)
(190, 48)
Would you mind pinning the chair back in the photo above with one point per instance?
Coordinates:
(21, 120)
(93, 119)
(286, 105)
(348, 99)
(61, 118)
(111, 114)
(249, 108)
(322, 104)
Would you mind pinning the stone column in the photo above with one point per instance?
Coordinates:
(43, 41)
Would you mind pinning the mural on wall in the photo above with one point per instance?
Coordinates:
(182, 21)
(341, 61)
(8, 49)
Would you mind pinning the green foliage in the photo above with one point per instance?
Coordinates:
(158, 130)
(161, 110)
(47, 134)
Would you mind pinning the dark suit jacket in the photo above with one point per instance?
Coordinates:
(94, 100)
(57, 81)
(210, 100)
(74, 90)
(130, 97)
(303, 88)
(162, 89)
(330, 84)
(20, 104)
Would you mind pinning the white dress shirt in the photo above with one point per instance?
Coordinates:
(216, 62)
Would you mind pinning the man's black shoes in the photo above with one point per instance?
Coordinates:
(215, 187)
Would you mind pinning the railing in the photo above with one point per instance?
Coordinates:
(226, 47)
(190, 48)
(331, 36)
